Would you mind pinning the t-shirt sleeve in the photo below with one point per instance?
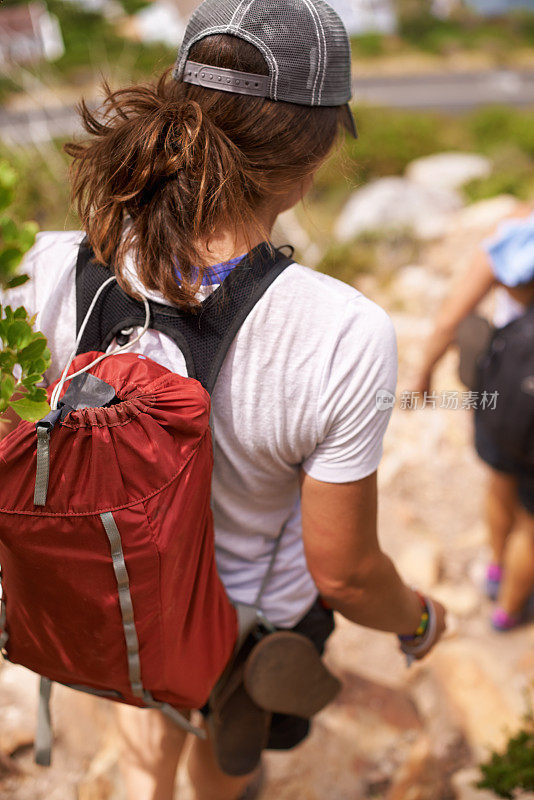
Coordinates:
(511, 251)
(355, 401)
(50, 292)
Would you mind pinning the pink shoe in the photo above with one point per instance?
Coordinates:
(502, 621)
(493, 580)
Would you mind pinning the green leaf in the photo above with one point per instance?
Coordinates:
(10, 259)
(19, 334)
(4, 325)
(39, 366)
(8, 361)
(29, 410)
(37, 394)
(34, 350)
(8, 311)
(7, 387)
(20, 313)
(19, 280)
(31, 380)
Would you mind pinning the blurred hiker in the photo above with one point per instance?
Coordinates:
(178, 187)
(498, 361)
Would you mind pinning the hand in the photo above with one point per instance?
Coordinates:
(422, 384)
(440, 628)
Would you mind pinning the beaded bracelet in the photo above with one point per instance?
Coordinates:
(416, 647)
(423, 624)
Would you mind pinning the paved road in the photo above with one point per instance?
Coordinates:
(449, 92)
(456, 92)
(38, 125)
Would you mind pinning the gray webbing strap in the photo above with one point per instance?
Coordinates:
(43, 735)
(125, 602)
(4, 636)
(43, 465)
(247, 621)
(268, 575)
(226, 80)
(174, 715)
(248, 616)
(130, 633)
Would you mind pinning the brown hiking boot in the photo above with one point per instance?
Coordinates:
(284, 673)
(239, 728)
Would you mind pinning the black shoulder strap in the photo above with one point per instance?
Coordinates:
(204, 336)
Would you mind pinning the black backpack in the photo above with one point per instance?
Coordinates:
(505, 408)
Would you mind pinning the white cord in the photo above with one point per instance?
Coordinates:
(54, 401)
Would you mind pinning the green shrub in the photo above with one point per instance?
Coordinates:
(513, 173)
(383, 252)
(492, 126)
(465, 30)
(24, 355)
(514, 769)
(388, 141)
(133, 6)
(43, 190)
(346, 261)
(94, 47)
(368, 45)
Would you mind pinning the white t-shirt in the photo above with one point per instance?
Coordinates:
(297, 389)
(507, 308)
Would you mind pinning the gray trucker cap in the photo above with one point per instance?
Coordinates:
(304, 43)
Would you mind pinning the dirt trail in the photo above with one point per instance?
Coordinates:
(394, 733)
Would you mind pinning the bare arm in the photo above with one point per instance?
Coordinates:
(468, 293)
(351, 572)
(470, 290)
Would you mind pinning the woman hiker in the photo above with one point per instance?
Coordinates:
(175, 183)
(505, 261)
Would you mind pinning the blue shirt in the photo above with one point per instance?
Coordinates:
(511, 251)
(216, 273)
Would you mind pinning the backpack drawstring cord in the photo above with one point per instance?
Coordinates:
(45, 426)
(64, 377)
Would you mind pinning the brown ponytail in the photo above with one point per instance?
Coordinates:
(166, 166)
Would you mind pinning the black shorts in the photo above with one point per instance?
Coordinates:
(490, 453)
(287, 731)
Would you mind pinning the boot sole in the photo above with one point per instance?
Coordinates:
(284, 674)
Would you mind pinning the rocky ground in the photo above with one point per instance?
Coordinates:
(394, 733)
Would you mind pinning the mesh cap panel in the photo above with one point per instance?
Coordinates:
(304, 43)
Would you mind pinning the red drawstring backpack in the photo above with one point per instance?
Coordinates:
(109, 582)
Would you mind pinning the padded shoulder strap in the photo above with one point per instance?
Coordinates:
(204, 336)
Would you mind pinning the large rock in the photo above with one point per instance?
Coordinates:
(416, 286)
(461, 599)
(465, 784)
(448, 170)
(477, 684)
(419, 777)
(486, 214)
(420, 564)
(398, 204)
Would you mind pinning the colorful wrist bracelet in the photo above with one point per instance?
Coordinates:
(423, 624)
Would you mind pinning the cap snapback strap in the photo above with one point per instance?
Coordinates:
(226, 80)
